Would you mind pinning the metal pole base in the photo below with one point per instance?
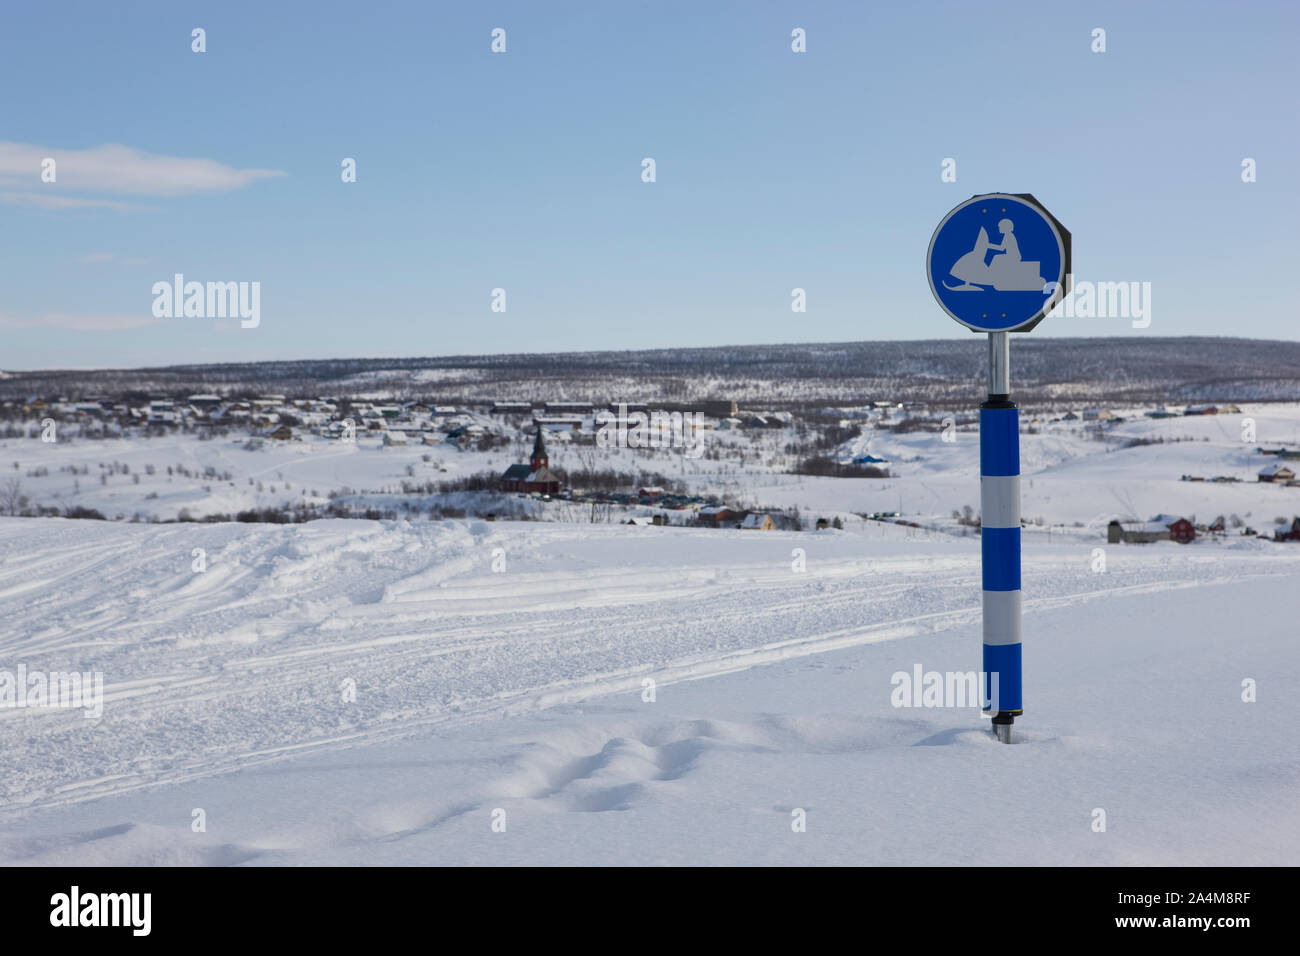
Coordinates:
(1002, 727)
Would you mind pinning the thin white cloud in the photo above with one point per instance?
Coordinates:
(51, 200)
(113, 168)
(77, 322)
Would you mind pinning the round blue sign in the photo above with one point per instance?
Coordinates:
(996, 261)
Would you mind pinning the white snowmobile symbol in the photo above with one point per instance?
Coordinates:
(1007, 272)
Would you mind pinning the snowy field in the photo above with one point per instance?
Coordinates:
(1077, 477)
(499, 674)
(370, 692)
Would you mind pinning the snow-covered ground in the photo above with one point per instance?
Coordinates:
(1072, 478)
(354, 692)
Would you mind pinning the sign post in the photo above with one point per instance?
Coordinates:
(998, 263)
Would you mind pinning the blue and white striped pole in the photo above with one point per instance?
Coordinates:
(1000, 540)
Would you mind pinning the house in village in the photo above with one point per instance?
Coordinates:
(569, 409)
(719, 516)
(630, 407)
(1277, 473)
(1288, 532)
(711, 408)
(336, 431)
(205, 404)
(162, 412)
(534, 476)
(511, 408)
(233, 414)
(279, 433)
(1159, 528)
(758, 522)
(464, 436)
(555, 423)
(1180, 529)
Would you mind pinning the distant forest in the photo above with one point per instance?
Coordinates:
(793, 377)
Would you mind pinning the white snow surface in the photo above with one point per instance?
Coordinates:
(521, 690)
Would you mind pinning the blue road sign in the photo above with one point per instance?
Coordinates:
(996, 261)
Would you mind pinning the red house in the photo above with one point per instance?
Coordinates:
(1288, 534)
(534, 476)
(719, 516)
(1182, 531)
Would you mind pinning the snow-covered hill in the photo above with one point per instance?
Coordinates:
(1138, 367)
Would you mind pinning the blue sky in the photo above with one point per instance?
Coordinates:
(522, 170)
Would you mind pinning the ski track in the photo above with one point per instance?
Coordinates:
(244, 664)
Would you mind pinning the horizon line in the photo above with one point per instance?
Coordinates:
(1116, 339)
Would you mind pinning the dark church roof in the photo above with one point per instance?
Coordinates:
(516, 473)
(539, 447)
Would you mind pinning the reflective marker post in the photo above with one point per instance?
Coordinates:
(1000, 540)
(997, 264)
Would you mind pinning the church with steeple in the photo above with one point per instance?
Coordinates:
(534, 476)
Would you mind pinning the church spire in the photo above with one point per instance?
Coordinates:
(539, 458)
